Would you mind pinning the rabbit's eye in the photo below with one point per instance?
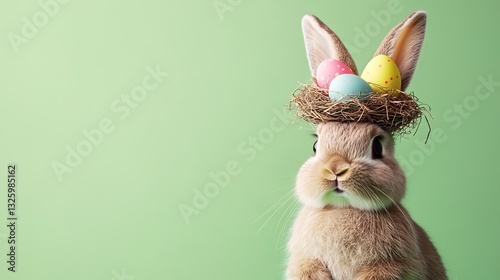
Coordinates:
(314, 146)
(377, 148)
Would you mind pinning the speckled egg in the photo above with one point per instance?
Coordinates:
(383, 75)
(328, 69)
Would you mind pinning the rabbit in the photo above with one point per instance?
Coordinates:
(352, 224)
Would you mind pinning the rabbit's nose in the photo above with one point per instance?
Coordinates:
(341, 171)
(339, 166)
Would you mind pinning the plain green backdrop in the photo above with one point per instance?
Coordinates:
(232, 66)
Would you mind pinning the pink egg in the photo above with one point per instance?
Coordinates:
(329, 69)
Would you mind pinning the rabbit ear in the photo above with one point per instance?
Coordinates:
(322, 43)
(403, 44)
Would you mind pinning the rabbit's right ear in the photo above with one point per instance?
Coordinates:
(322, 43)
(403, 44)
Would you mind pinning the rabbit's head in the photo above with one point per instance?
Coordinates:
(354, 164)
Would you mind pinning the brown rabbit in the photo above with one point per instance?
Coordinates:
(352, 224)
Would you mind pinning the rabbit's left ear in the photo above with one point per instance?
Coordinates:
(322, 43)
(403, 44)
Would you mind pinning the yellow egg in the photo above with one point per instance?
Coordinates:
(383, 75)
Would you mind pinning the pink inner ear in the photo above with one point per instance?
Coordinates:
(403, 44)
(322, 43)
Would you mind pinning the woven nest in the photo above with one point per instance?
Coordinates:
(397, 115)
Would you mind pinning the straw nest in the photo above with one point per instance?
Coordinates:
(397, 115)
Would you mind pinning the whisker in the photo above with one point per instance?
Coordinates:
(282, 215)
(278, 186)
(290, 195)
(382, 205)
(288, 213)
(274, 205)
(294, 210)
(399, 208)
(375, 198)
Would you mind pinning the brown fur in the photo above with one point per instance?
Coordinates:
(356, 240)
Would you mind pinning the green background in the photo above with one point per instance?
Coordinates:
(116, 215)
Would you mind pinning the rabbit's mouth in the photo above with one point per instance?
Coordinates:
(336, 186)
(338, 190)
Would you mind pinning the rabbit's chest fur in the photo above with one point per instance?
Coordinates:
(346, 239)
